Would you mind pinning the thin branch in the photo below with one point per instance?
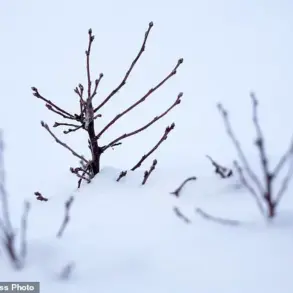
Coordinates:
(179, 214)
(97, 82)
(23, 248)
(40, 197)
(249, 187)
(237, 145)
(88, 53)
(62, 143)
(66, 219)
(148, 173)
(56, 124)
(178, 190)
(222, 171)
(121, 175)
(124, 80)
(141, 100)
(163, 138)
(222, 221)
(157, 118)
(51, 105)
(285, 183)
(283, 159)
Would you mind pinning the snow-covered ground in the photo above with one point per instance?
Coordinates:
(124, 237)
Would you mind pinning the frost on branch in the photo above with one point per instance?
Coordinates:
(263, 188)
(89, 112)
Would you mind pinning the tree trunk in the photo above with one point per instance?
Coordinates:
(95, 149)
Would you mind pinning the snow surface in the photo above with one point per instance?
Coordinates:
(123, 237)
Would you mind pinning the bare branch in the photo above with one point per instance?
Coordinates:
(237, 145)
(141, 100)
(40, 197)
(62, 143)
(222, 221)
(163, 138)
(149, 172)
(124, 80)
(157, 118)
(97, 82)
(66, 219)
(249, 187)
(222, 171)
(23, 248)
(284, 184)
(179, 214)
(121, 175)
(51, 106)
(178, 190)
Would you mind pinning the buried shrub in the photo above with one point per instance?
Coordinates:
(89, 112)
(263, 188)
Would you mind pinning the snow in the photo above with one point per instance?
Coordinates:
(124, 237)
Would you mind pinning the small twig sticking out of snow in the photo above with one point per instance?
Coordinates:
(67, 271)
(179, 214)
(23, 248)
(177, 191)
(163, 138)
(222, 221)
(222, 171)
(147, 173)
(66, 219)
(40, 197)
(121, 175)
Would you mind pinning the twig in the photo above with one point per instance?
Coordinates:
(8, 237)
(23, 248)
(121, 175)
(179, 214)
(40, 197)
(222, 171)
(51, 106)
(62, 143)
(124, 80)
(178, 190)
(238, 147)
(148, 94)
(222, 221)
(66, 219)
(249, 187)
(163, 138)
(157, 118)
(149, 172)
(67, 271)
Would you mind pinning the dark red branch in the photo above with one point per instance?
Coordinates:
(123, 82)
(62, 143)
(141, 100)
(121, 175)
(163, 138)
(51, 106)
(88, 53)
(157, 118)
(148, 173)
